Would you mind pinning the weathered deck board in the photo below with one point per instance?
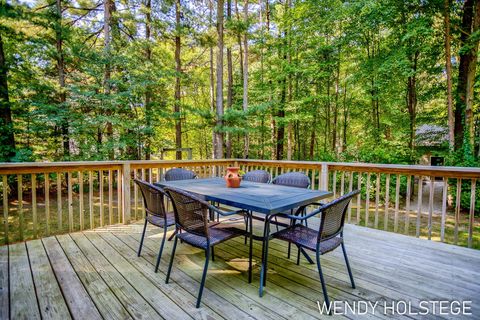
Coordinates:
(106, 302)
(4, 293)
(22, 291)
(51, 302)
(166, 307)
(79, 302)
(96, 274)
(216, 302)
(174, 291)
(128, 296)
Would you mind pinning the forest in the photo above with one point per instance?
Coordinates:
(327, 80)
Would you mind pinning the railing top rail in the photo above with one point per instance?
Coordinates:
(47, 167)
(40, 167)
(454, 172)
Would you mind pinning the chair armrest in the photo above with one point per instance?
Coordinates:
(297, 217)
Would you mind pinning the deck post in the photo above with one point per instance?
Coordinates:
(126, 180)
(324, 174)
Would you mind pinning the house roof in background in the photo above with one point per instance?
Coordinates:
(431, 135)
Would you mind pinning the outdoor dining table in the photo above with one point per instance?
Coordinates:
(263, 198)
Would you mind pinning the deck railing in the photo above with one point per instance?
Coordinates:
(41, 199)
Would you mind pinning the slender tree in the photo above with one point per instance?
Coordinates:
(466, 72)
(448, 70)
(245, 76)
(229, 81)
(7, 138)
(61, 77)
(107, 23)
(178, 69)
(218, 147)
(211, 75)
(470, 78)
(148, 89)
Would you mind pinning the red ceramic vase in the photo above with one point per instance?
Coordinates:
(232, 178)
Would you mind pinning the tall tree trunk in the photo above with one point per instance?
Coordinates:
(7, 137)
(212, 76)
(472, 70)
(273, 125)
(107, 21)
(61, 79)
(219, 119)
(148, 89)
(468, 60)
(262, 84)
(412, 99)
(312, 139)
(229, 82)
(245, 77)
(327, 118)
(345, 118)
(448, 68)
(239, 41)
(335, 110)
(281, 106)
(288, 36)
(178, 73)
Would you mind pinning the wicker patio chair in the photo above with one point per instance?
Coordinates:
(155, 213)
(293, 179)
(193, 227)
(328, 237)
(297, 180)
(179, 174)
(260, 176)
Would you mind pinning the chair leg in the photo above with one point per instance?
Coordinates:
(298, 255)
(161, 249)
(322, 280)
(204, 276)
(171, 259)
(266, 265)
(173, 235)
(263, 270)
(348, 266)
(305, 254)
(143, 236)
(276, 223)
(213, 254)
(250, 252)
(246, 227)
(289, 244)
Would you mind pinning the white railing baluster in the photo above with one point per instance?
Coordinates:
(471, 216)
(397, 203)
(419, 205)
(457, 210)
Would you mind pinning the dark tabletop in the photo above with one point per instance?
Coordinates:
(259, 197)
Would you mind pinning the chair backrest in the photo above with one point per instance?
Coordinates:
(153, 197)
(261, 176)
(293, 179)
(191, 213)
(179, 174)
(333, 216)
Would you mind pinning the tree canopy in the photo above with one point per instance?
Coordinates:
(268, 79)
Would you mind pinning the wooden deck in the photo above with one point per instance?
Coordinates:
(96, 274)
